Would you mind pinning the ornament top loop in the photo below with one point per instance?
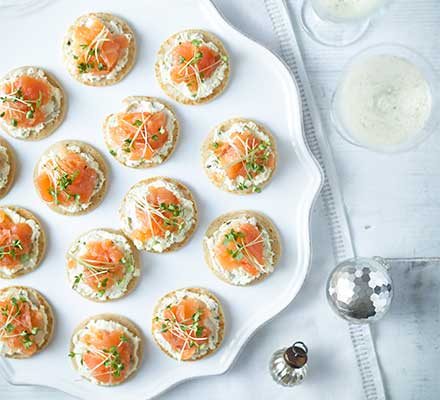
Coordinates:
(296, 355)
(301, 345)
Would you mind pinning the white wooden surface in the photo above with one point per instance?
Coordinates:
(394, 208)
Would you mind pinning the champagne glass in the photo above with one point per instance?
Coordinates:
(386, 99)
(339, 22)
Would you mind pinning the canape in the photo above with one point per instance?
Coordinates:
(106, 349)
(102, 265)
(71, 177)
(143, 134)
(26, 322)
(159, 214)
(242, 247)
(188, 324)
(240, 156)
(99, 49)
(192, 67)
(7, 167)
(32, 103)
(22, 242)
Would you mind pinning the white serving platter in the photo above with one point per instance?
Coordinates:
(261, 88)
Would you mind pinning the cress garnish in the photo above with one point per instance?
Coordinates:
(91, 53)
(192, 65)
(170, 214)
(12, 327)
(100, 271)
(63, 181)
(9, 101)
(237, 248)
(13, 249)
(111, 357)
(254, 161)
(190, 330)
(139, 129)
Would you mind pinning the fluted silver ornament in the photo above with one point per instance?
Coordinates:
(360, 290)
(288, 366)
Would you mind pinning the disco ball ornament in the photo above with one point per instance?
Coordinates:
(360, 290)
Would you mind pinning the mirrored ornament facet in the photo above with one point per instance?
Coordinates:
(288, 366)
(360, 289)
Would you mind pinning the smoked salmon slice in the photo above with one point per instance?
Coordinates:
(108, 355)
(183, 326)
(140, 134)
(66, 179)
(106, 349)
(192, 66)
(20, 324)
(244, 155)
(15, 242)
(239, 156)
(242, 247)
(21, 106)
(159, 213)
(193, 63)
(104, 265)
(97, 50)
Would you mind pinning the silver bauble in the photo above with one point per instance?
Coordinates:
(360, 289)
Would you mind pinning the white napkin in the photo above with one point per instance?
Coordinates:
(284, 18)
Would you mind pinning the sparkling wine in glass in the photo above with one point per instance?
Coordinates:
(339, 22)
(386, 99)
